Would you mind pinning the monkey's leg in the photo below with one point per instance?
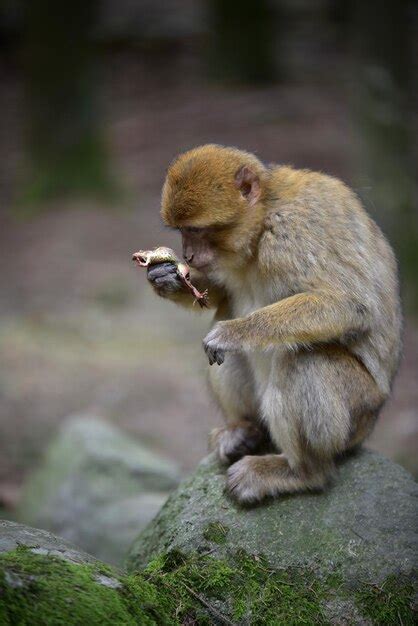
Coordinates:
(253, 478)
(232, 387)
(327, 402)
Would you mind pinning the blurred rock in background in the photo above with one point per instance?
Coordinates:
(97, 487)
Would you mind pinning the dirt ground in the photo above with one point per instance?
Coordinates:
(80, 329)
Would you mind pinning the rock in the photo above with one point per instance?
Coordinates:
(345, 556)
(97, 488)
(14, 536)
(45, 581)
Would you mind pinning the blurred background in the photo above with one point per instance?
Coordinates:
(97, 97)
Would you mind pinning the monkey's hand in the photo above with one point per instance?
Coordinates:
(165, 279)
(224, 337)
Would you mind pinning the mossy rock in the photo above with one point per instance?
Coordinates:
(345, 556)
(342, 557)
(45, 581)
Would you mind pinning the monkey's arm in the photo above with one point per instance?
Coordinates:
(167, 284)
(310, 317)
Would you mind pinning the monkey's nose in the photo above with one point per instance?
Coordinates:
(188, 258)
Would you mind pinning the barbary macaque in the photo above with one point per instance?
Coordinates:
(306, 335)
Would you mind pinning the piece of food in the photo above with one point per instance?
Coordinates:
(145, 258)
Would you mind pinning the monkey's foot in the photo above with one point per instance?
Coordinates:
(253, 478)
(235, 441)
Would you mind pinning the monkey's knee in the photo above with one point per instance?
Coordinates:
(334, 399)
(236, 440)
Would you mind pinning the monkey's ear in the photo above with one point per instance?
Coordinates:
(248, 184)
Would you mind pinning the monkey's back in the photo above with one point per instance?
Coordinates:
(320, 237)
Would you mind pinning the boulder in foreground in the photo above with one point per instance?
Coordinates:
(45, 581)
(345, 556)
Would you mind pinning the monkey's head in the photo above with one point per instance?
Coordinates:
(214, 196)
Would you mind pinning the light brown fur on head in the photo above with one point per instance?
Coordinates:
(200, 187)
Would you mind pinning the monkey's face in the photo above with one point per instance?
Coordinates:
(198, 250)
(211, 195)
(211, 248)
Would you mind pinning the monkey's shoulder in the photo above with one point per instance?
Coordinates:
(295, 185)
(318, 231)
(314, 207)
(305, 197)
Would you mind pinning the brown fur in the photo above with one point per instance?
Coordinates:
(308, 321)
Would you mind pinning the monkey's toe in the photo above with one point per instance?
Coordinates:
(243, 483)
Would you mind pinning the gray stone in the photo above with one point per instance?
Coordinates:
(45, 580)
(361, 531)
(97, 487)
(13, 535)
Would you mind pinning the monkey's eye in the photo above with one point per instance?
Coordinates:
(192, 229)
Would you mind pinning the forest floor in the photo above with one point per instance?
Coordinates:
(80, 328)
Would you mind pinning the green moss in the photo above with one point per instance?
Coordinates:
(43, 590)
(213, 589)
(216, 532)
(388, 603)
(178, 588)
(245, 588)
(272, 597)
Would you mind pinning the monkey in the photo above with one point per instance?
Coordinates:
(306, 334)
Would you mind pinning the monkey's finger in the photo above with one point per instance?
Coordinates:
(219, 356)
(166, 286)
(209, 353)
(166, 280)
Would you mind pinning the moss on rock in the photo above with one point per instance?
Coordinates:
(40, 589)
(390, 602)
(340, 558)
(345, 556)
(245, 589)
(176, 588)
(45, 581)
(229, 591)
(216, 532)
